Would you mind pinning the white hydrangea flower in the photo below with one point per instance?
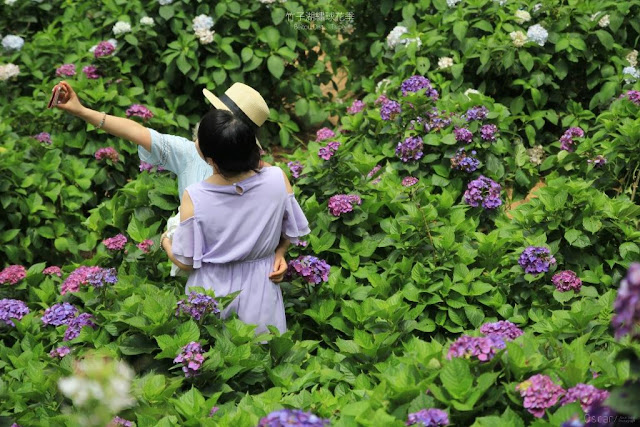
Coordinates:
(9, 2)
(12, 42)
(202, 22)
(8, 70)
(594, 16)
(453, 3)
(632, 58)
(501, 2)
(121, 27)
(382, 84)
(536, 155)
(147, 20)
(267, 1)
(522, 16)
(604, 21)
(445, 62)
(165, 2)
(537, 7)
(537, 33)
(393, 39)
(205, 36)
(413, 40)
(631, 74)
(471, 91)
(518, 37)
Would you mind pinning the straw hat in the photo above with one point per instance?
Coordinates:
(243, 101)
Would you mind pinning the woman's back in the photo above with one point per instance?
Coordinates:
(231, 239)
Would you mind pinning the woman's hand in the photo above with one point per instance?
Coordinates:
(279, 268)
(68, 100)
(165, 242)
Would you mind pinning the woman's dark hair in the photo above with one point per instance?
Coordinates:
(229, 142)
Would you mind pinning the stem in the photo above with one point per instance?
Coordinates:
(635, 183)
(426, 225)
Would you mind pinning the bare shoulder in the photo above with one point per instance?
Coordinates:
(186, 206)
(286, 181)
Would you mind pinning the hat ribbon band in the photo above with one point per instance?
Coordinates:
(238, 112)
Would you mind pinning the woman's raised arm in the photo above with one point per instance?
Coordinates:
(116, 126)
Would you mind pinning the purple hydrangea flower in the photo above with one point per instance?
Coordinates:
(191, 358)
(437, 120)
(409, 181)
(598, 161)
(145, 246)
(566, 140)
(78, 277)
(59, 314)
(310, 268)
(503, 328)
(107, 153)
(324, 133)
(417, 83)
(120, 422)
(115, 243)
(356, 107)
(566, 281)
(197, 306)
(295, 168)
(483, 348)
(292, 418)
(428, 417)
(12, 274)
(43, 137)
(213, 411)
(536, 259)
(477, 113)
(12, 309)
(410, 149)
(483, 191)
(540, 393)
(586, 394)
(144, 166)
(343, 203)
(573, 422)
(102, 276)
(327, 152)
(463, 135)
(488, 132)
(91, 72)
(104, 48)
(76, 324)
(389, 109)
(52, 271)
(627, 305)
(463, 162)
(59, 352)
(139, 111)
(66, 70)
(633, 96)
(374, 171)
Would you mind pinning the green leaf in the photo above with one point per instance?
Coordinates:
(460, 29)
(627, 248)
(166, 12)
(277, 15)
(422, 64)
(456, 378)
(605, 38)
(525, 59)
(275, 64)
(591, 224)
(577, 238)
(474, 314)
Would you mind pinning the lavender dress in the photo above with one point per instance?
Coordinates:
(231, 241)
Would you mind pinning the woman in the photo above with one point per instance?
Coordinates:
(174, 153)
(234, 221)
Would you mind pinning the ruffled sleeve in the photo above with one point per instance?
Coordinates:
(294, 222)
(188, 243)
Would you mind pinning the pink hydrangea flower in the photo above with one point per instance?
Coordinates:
(80, 276)
(324, 133)
(104, 48)
(566, 281)
(540, 393)
(108, 153)
(139, 111)
(409, 181)
(13, 274)
(91, 71)
(115, 243)
(356, 107)
(44, 137)
(52, 271)
(343, 203)
(145, 246)
(66, 70)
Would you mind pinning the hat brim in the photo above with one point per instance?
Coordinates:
(220, 106)
(214, 100)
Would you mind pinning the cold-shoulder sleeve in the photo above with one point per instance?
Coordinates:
(188, 243)
(294, 222)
